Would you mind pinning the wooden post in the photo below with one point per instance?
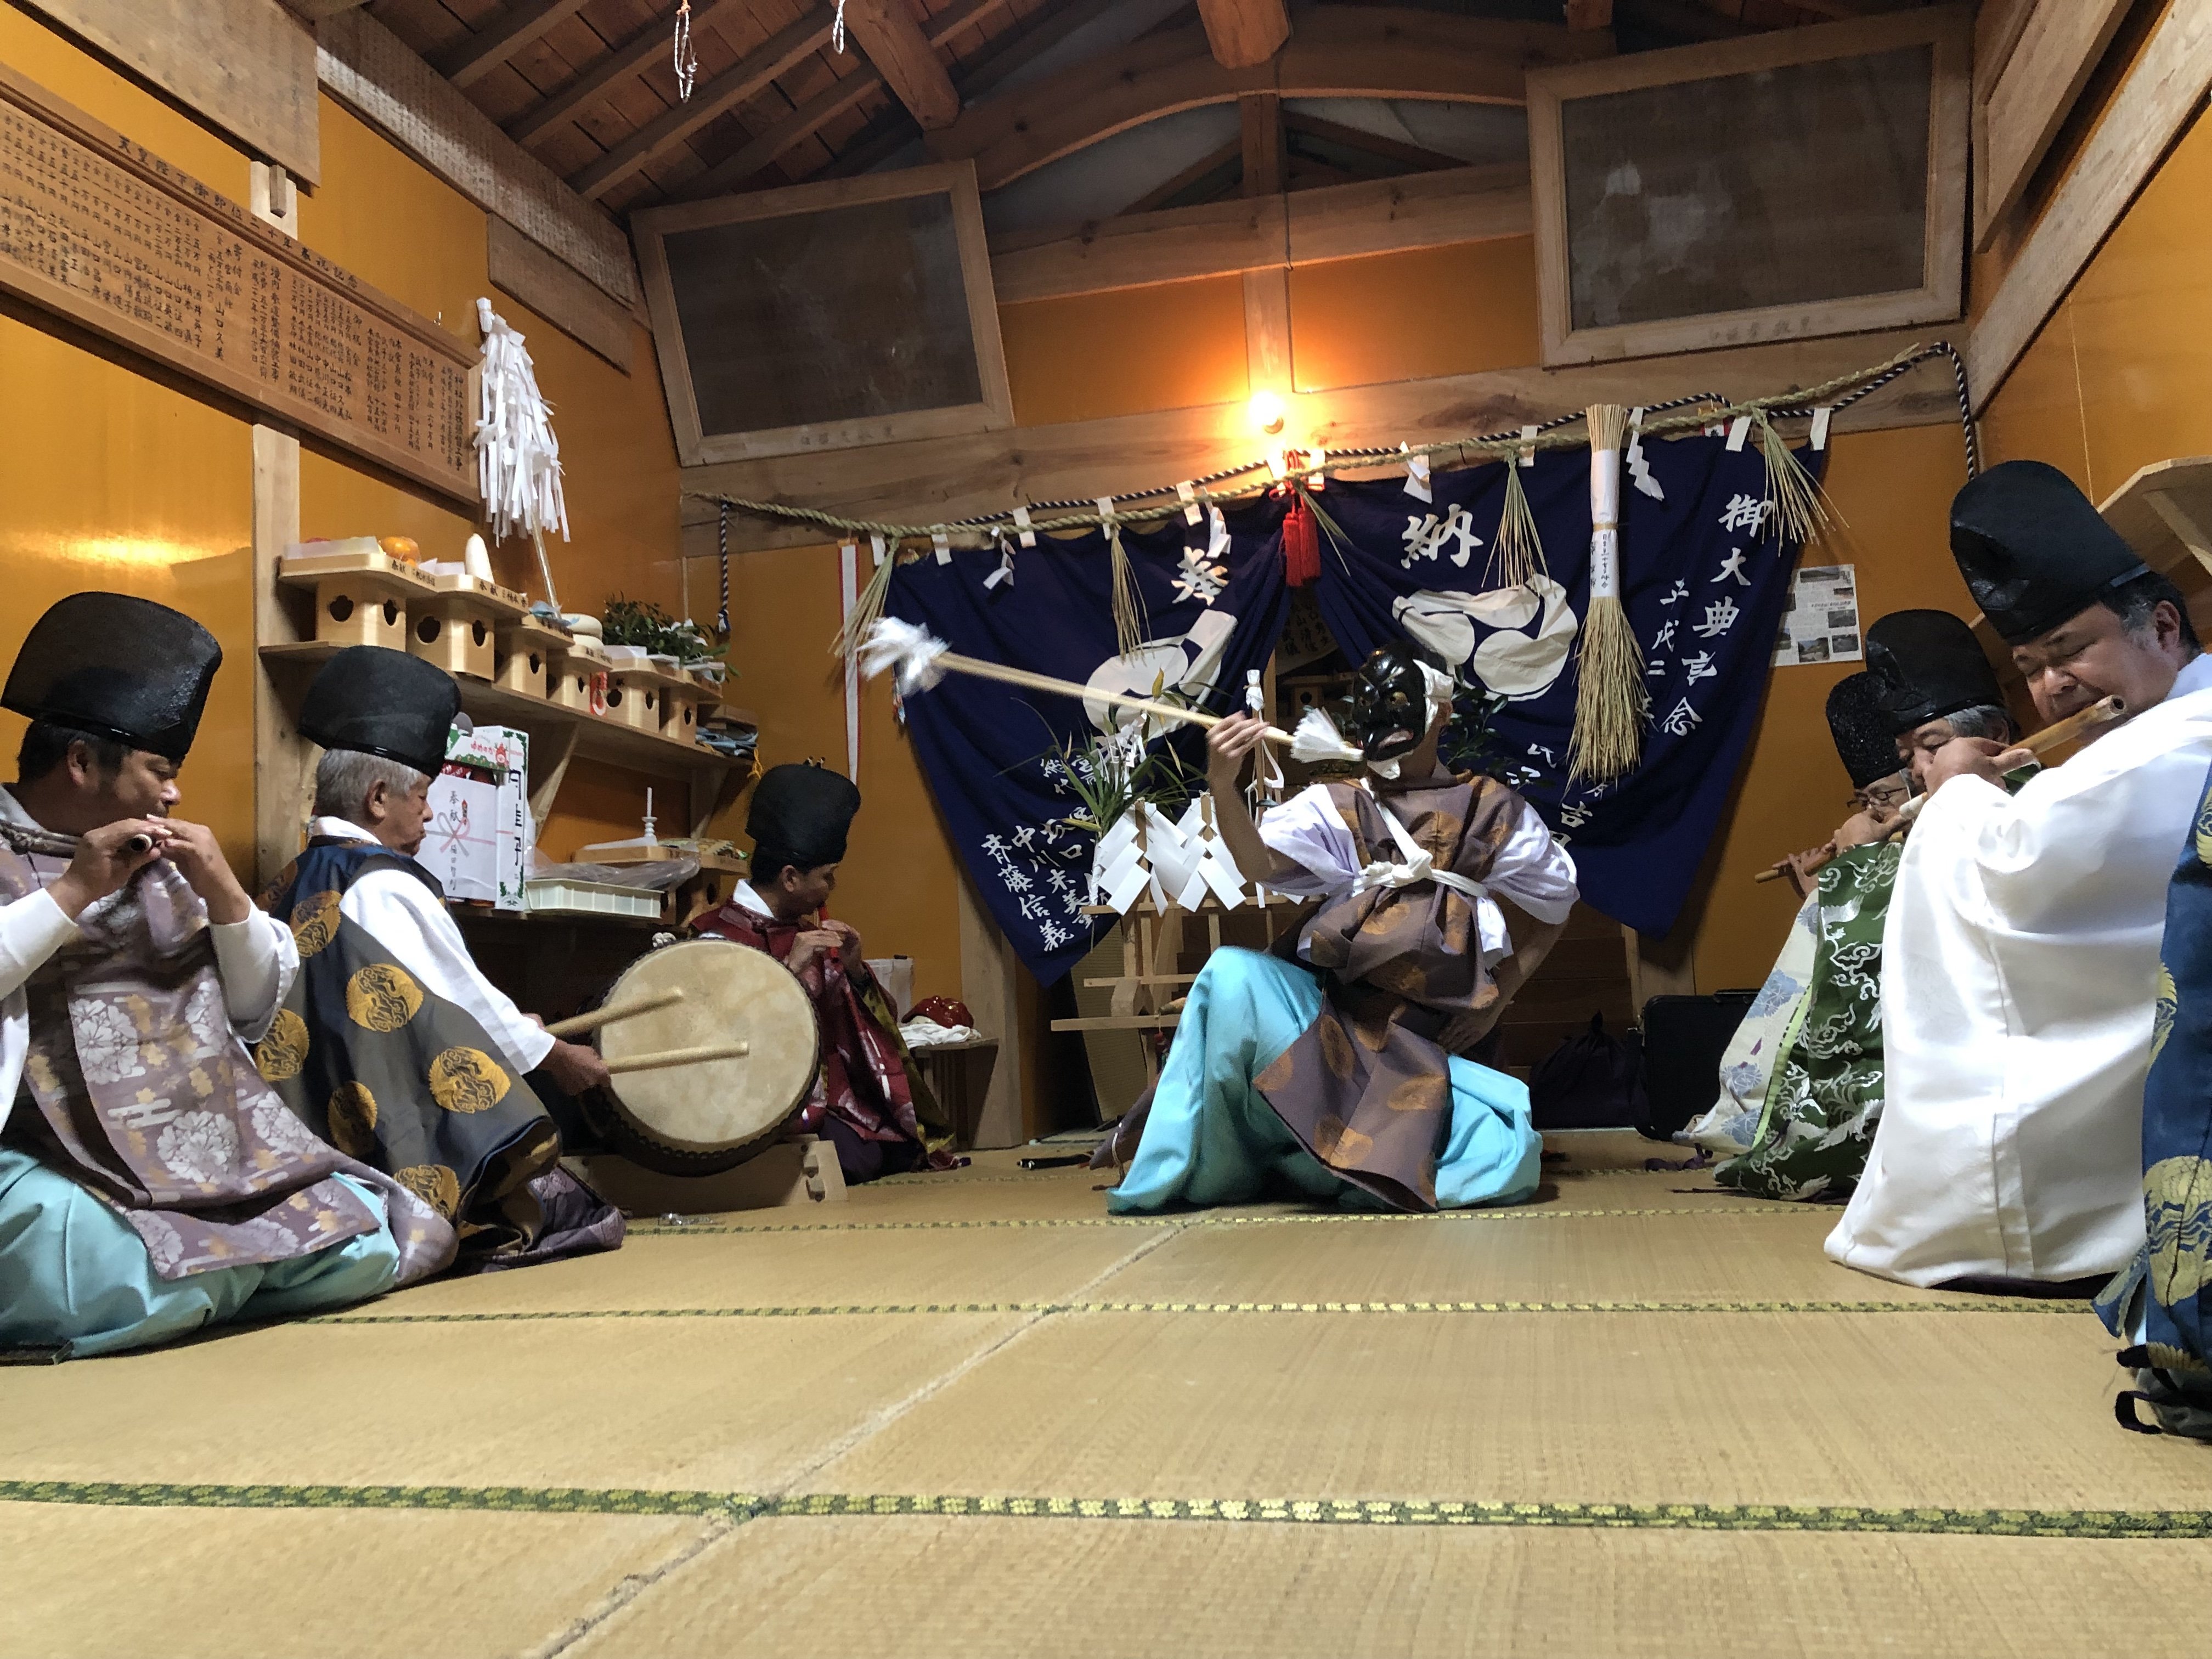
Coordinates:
(281, 758)
(1267, 291)
(990, 986)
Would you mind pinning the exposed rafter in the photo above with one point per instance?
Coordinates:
(502, 34)
(748, 78)
(1338, 52)
(1243, 32)
(827, 105)
(903, 55)
(649, 45)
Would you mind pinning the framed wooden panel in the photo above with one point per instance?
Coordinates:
(1803, 182)
(827, 316)
(2021, 98)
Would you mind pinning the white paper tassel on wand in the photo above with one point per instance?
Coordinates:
(518, 458)
(1610, 703)
(921, 660)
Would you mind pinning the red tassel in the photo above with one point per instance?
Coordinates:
(1301, 545)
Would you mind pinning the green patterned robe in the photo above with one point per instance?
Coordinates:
(1826, 1097)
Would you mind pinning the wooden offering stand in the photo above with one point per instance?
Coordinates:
(362, 594)
(1148, 992)
(527, 650)
(458, 627)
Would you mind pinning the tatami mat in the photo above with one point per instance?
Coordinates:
(974, 1414)
(736, 1403)
(1956, 1409)
(230, 1584)
(849, 1589)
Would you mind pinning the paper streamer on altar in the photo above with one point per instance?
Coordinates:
(990, 751)
(1705, 586)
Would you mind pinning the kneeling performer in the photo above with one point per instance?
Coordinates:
(1339, 1076)
(150, 1182)
(867, 1099)
(393, 1046)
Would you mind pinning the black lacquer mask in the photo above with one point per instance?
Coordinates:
(1390, 704)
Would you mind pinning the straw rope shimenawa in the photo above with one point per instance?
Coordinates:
(1153, 503)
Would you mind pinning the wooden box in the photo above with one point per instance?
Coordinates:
(361, 596)
(526, 652)
(679, 709)
(579, 676)
(634, 692)
(457, 627)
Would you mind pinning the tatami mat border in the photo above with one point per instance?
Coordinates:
(1989, 1305)
(1179, 1218)
(575, 1500)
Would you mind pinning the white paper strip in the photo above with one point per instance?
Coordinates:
(1417, 476)
(1022, 524)
(875, 546)
(1739, 430)
(942, 543)
(1821, 417)
(1187, 493)
(1527, 455)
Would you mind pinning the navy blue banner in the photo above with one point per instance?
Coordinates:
(991, 752)
(1704, 583)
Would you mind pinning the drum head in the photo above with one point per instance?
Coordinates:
(708, 1116)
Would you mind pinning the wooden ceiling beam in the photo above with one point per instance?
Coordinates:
(647, 45)
(1244, 33)
(827, 105)
(1685, 18)
(504, 34)
(748, 78)
(1338, 52)
(903, 56)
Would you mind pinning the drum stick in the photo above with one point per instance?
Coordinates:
(668, 1057)
(2105, 709)
(613, 1011)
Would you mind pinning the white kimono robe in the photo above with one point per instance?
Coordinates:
(2020, 966)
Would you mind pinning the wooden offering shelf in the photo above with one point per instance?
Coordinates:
(559, 735)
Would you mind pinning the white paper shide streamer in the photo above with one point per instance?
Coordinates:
(518, 457)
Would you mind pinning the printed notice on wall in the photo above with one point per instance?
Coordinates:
(1822, 621)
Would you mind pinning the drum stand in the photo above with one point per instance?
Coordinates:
(801, 1171)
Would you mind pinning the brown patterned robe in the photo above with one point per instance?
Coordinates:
(136, 1087)
(1365, 1088)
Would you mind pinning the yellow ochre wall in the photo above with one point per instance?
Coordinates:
(114, 481)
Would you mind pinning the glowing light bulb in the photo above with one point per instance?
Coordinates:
(1267, 411)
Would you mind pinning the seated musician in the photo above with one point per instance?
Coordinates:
(1928, 681)
(392, 1045)
(867, 1098)
(150, 1182)
(2020, 961)
(1337, 1074)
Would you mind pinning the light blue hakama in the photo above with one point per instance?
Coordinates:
(1213, 1139)
(73, 1273)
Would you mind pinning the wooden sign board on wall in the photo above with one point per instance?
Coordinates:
(98, 231)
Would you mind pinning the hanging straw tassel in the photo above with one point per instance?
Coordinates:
(1611, 702)
(1301, 543)
(1516, 553)
(1796, 509)
(1130, 621)
(867, 606)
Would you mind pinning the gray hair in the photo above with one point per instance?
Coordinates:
(344, 777)
(1982, 721)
